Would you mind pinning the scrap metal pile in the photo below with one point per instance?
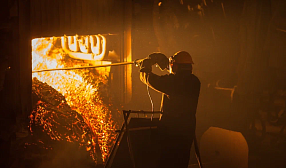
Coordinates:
(54, 124)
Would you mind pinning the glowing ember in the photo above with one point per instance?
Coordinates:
(80, 89)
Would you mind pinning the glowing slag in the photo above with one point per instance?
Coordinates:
(80, 94)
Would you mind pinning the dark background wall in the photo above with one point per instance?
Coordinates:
(84, 17)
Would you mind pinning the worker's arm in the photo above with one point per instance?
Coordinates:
(161, 84)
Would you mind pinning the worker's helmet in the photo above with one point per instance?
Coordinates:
(181, 57)
(181, 60)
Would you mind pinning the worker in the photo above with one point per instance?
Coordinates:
(180, 91)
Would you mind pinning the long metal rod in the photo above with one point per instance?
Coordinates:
(83, 67)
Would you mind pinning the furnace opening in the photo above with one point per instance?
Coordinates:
(74, 106)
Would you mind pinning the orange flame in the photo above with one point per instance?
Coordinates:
(81, 95)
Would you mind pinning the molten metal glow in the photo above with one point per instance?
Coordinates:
(93, 47)
(82, 95)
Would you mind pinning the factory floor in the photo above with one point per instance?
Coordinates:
(267, 151)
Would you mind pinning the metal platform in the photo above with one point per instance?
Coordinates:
(137, 141)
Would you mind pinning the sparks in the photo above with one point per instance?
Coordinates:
(80, 91)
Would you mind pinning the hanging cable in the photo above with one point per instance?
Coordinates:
(152, 105)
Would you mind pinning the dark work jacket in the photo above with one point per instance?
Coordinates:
(180, 98)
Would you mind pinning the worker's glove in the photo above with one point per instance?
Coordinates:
(160, 59)
(146, 65)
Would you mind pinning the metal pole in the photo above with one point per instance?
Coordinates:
(126, 115)
(83, 67)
